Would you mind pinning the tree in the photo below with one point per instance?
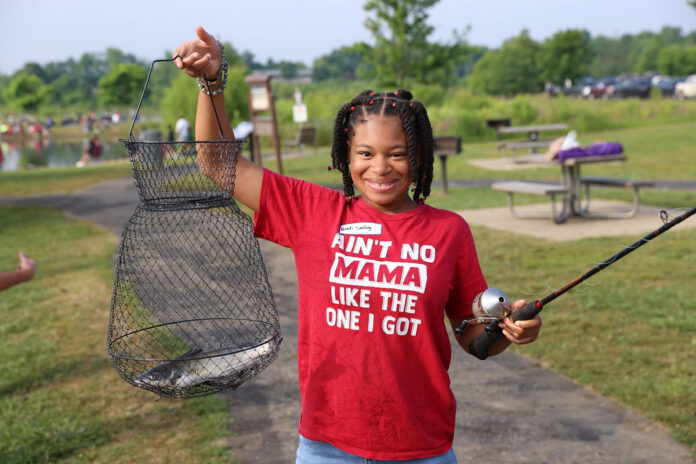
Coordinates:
(26, 92)
(288, 69)
(689, 54)
(609, 57)
(401, 39)
(511, 70)
(648, 55)
(566, 55)
(122, 85)
(343, 63)
(180, 99)
(35, 69)
(677, 60)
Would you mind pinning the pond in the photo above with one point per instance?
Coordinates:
(28, 153)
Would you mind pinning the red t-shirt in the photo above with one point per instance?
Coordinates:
(374, 289)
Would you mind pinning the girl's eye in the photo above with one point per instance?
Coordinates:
(398, 155)
(364, 154)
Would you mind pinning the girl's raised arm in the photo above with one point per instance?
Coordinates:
(199, 57)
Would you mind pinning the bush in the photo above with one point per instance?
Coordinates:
(429, 95)
(590, 121)
(470, 125)
(521, 110)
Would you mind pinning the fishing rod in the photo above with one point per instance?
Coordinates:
(493, 305)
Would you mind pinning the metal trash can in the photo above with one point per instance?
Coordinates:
(151, 157)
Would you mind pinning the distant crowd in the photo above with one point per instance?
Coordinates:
(21, 125)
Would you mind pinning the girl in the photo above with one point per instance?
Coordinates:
(377, 274)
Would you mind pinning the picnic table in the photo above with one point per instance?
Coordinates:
(533, 142)
(574, 190)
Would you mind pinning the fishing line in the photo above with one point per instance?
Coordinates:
(497, 310)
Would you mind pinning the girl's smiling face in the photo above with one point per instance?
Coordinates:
(379, 167)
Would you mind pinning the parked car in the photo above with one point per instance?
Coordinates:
(666, 86)
(636, 87)
(576, 90)
(551, 90)
(686, 89)
(598, 89)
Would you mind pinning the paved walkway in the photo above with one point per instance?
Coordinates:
(511, 409)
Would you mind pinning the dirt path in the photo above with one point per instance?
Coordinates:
(511, 409)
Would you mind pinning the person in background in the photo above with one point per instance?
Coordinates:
(182, 129)
(92, 151)
(24, 272)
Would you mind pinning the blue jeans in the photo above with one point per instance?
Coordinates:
(318, 452)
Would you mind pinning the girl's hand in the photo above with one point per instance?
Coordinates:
(521, 332)
(199, 57)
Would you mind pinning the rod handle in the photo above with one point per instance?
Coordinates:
(480, 345)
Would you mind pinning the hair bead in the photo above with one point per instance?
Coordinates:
(371, 102)
(352, 108)
(396, 93)
(411, 105)
(394, 104)
(345, 130)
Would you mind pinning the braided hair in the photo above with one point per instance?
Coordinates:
(416, 125)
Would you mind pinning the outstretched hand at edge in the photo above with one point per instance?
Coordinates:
(199, 57)
(27, 266)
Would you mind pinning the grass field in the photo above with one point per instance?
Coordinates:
(60, 399)
(630, 335)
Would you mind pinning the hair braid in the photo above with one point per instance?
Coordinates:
(339, 154)
(427, 145)
(411, 131)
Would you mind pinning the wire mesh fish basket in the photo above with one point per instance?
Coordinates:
(192, 312)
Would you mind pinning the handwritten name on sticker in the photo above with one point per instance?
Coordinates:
(361, 228)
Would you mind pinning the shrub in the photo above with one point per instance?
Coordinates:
(589, 121)
(521, 110)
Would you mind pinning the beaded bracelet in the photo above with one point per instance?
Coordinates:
(221, 77)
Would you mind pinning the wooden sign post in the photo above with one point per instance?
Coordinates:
(261, 103)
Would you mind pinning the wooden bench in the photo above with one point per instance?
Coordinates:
(304, 136)
(531, 144)
(636, 185)
(534, 188)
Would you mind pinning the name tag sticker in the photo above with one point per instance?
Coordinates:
(361, 228)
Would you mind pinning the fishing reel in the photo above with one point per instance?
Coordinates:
(489, 307)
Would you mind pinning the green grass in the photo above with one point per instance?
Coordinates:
(42, 181)
(60, 398)
(628, 336)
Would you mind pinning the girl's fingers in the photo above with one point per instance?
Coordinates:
(204, 36)
(519, 341)
(195, 56)
(522, 332)
(202, 63)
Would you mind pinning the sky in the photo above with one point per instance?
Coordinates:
(43, 31)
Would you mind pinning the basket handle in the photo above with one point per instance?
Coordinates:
(147, 81)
